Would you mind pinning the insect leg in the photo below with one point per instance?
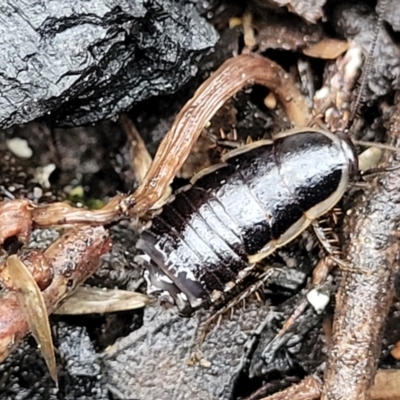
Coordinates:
(328, 244)
(205, 326)
(240, 298)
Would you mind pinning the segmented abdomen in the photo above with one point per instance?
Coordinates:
(239, 213)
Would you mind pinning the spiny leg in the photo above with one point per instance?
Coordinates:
(240, 298)
(330, 246)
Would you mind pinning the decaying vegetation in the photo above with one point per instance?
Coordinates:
(283, 56)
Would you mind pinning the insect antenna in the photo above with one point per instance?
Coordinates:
(373, 171)
(364, 75)
(360, 100)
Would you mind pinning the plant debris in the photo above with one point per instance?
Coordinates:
(296, 63)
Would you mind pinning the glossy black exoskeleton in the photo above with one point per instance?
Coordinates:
(263, 195)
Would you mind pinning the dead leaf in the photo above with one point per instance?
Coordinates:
(87, 300)
(32, 302)
(327, 49)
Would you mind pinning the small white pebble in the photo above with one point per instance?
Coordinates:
(205, 363)
(42, 175)
(369, 158)
(318, 300)
(37, 192)
(19, 147)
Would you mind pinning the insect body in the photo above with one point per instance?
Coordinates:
(263, 195)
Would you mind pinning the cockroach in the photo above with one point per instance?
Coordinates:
(210, 235)
(236, 213)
